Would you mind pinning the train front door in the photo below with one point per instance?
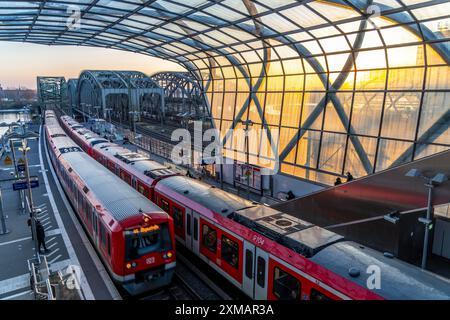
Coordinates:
(248, 279)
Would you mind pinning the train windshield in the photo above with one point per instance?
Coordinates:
(140, 242)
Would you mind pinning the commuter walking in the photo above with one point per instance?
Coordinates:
(40, 233)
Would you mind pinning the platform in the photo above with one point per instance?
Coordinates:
(65, 236)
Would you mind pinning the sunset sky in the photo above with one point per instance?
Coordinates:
(21, 63)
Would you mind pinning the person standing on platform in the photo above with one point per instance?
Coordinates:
(349, 176)
(40, 233)
(338, 181)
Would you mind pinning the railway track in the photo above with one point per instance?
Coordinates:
(189, 283)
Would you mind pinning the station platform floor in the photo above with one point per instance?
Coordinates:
(65, 238)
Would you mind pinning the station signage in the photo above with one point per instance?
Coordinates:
(21, 184)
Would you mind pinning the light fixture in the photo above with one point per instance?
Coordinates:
(413, 173)
(392, 217)
(439, 178)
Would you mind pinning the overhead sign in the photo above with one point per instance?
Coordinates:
(21, 167)
(8, 161)
(22, 184)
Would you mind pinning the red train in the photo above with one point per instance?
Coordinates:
(133, 236)
(265, 253)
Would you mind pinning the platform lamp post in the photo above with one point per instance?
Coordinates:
(430, 184)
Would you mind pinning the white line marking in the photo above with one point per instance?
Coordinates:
(70, 250)
(17, 295)
(46, 224)
(52, 253)
(52, 245)
(50, 240)
(14, 241)
(53, 232)
(44, 219)
(57, 257)
(15, 283)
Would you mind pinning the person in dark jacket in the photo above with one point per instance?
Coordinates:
(338, 181)
(40, 233)
(290, 195)
(349, 176)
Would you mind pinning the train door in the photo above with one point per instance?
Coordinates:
(248, 279)
(261, 265)
(195, 233)
(94, 226)
(189, 228)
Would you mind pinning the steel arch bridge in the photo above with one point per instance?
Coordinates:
(118, 94)
(183, 95)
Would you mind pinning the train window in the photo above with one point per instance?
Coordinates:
(230, 252)
(142, 190)
(318, 296)
(108, 239)
(103, 235)
(177, 216)
(195, 229)
(261, 275)
(164, 205)
(285, 286)
(94, 221)
(249, 264)
(139, 244)
(188, 224)
(209, 238)
(133, 183)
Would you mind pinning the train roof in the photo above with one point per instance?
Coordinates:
(398, 280)
(215, 199)
(115, 195)
(138, 161)
(299, 235)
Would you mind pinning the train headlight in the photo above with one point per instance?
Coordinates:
(128, 265)
(134, 264)
(168, 255)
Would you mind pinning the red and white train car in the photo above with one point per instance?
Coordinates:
(133, 237)
(265, 253)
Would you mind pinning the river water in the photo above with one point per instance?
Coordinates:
(11, 116)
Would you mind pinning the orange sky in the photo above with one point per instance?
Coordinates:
(21, 63)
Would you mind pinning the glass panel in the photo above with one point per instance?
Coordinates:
(434, 126)
(366, 114)
(354, 163)
(401, 107)
(393, 152)
(332, 152)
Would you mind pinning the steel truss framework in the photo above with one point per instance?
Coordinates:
(120, 92)
(183, 94)
(52, 91)
(340, 85)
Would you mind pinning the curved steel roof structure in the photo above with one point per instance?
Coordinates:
(330, 81)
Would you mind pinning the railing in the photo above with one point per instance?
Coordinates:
(40, 279)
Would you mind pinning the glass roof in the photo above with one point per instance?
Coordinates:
(181, 30)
